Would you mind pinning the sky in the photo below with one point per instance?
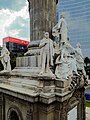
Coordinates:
(14, 19)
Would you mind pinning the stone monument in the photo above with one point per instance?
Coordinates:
(47, 53)
(5, 59)
(42, 17)
(49, 88)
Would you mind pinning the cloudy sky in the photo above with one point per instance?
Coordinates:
(14, 19)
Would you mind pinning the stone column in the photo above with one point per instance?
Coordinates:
(1, 106)
(42, 17)
(81, 106)
(46, 112)
(61, 110)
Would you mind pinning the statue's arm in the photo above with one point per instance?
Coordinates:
(59, 24)
(42, 44)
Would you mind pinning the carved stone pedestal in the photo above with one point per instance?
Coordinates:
(37, 98)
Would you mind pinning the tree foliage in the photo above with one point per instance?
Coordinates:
(87, 61)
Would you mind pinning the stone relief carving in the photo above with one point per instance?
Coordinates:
(69, 60)
(59, 59)
(29, 115)
(5, 59)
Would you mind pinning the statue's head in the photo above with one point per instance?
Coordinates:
(62, 15)
(46, 34)
(4, 45)
(78, 45)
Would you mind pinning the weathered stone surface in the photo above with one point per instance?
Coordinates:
(42, 17)
(62, 83)
(29, 93)
(23, 109)
(1, 106)
(28, 61)
(34, 97)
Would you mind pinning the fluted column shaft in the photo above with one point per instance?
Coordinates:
(42, 17)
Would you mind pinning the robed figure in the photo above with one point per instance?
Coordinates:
(5, 59)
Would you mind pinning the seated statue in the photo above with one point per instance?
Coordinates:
(66, 63)
(5, 59)
(62, 70)
(47, 53)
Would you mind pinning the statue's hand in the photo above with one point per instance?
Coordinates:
(25, 54)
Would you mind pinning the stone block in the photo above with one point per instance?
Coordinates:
(39, 60)
(33, 61)
(62, 83)
(28, 61)
(61, 90)
(17, 61)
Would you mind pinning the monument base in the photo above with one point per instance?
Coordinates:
(36, 98)
(27, 95)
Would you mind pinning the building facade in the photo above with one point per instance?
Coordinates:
(15, 45)
(77, 14)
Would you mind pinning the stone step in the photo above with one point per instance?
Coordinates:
(25, 83)
(26, 71)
